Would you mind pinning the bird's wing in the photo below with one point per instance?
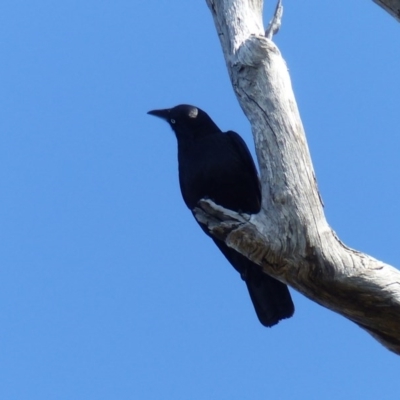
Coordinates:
(245, 158)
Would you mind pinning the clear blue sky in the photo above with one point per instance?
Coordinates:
(108, 289)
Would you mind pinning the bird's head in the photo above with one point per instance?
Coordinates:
(187, 121)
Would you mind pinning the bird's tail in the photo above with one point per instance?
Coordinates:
(271, 298)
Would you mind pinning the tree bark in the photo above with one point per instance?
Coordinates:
(391, 6)
(290, 238)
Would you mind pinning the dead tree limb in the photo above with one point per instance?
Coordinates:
(290, 238)
(391, 6)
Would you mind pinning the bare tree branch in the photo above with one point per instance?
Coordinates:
(391, 6)
(290, 238)
(275, 23)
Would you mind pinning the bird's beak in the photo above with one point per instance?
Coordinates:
(164, 114)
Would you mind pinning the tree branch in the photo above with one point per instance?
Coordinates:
(290, 238)
(276, 21)
(391, 6)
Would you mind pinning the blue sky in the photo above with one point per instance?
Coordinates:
(108, 289)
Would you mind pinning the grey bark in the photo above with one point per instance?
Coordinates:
(290, 238)
(391, 6)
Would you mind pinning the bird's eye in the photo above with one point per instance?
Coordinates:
(172, 121)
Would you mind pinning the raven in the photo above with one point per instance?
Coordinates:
(218, 165)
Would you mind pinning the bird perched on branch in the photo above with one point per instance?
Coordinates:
(218, 165)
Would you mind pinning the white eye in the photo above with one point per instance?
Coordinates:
(172, 121)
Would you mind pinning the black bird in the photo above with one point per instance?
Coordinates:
(218, 165)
